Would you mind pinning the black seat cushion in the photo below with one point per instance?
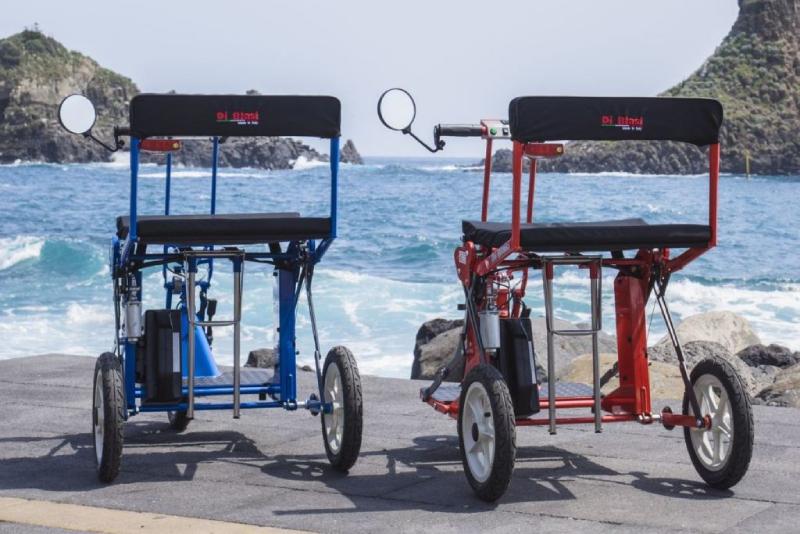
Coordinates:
(228, 229)
(590, 236)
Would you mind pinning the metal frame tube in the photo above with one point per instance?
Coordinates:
(191, 317)
(547, 283)
(238, 275)
(596, 325)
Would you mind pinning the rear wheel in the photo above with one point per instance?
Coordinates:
(178, 421)
(720, 454)
(108, 415)
(486, 432)
(342, 427)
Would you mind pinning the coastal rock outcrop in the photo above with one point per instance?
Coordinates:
(785, 391)
(349, 154)
(730, 330)
(37, 72)
(770, 374)
(755, 73)
(437, 340)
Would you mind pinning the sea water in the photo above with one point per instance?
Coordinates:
(392, 266)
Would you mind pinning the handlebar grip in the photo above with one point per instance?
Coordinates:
(458, 130)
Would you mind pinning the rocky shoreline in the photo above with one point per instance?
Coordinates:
(36, 72)
(754, 73)
(770, 373)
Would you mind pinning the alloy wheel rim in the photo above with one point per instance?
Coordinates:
(713, 446)
(334, 421)
(477, 430)
(98, 419)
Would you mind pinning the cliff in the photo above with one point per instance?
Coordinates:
(36, 72)
(755, 73)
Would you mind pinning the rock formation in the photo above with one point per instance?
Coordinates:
(37, 72)
(755, 73)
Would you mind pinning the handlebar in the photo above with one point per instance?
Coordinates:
(458, 130)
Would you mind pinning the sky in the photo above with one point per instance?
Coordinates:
(461, 60)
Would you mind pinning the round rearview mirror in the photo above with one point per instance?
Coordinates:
(76, 114)
(396, 109)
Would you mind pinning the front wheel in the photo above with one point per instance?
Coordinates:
(108, 415)
(342, 426)
(487, 432)
(178, 421)
(720, 454)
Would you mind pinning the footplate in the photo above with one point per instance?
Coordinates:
(445, 392)
(568, 389)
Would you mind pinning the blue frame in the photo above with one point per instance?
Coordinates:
(289, 280)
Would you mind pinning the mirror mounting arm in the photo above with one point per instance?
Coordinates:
(438, 142)
(118, 143)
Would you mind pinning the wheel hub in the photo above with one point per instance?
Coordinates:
(478, 432)
(713, 445)
(98, 419)
(334, 421)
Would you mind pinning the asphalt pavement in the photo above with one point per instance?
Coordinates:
(269, 468)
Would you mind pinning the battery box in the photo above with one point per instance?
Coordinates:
(161, 357)
(516, 361)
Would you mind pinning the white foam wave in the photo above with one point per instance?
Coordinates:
(19, 248)
(302, 163)
(378, 317)
(442, 168)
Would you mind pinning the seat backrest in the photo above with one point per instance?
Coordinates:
(573, 118)
(234, 115)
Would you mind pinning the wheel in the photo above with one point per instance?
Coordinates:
(341, 429)
(108, 415)
(178, 421)
(720, 454)
(486, 432)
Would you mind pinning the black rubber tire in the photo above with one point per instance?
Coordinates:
(178, 421)
(352, 397)
(504, 429)
(743, 428)
(108, 371)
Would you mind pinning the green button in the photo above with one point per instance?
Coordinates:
(493, 131)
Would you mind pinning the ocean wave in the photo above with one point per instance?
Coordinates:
(302, 163)
(17, 249)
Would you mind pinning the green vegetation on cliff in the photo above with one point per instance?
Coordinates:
(755, 73)
(36, 72)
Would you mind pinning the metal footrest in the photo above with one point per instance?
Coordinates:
(249, 377)
(447, 392)
(568, 389)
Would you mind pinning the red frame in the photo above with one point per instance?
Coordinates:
(631, 400)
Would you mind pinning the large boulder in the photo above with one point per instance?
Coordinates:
(770, 355)
(785, 391)
(665, 378)
(567, 348)
(726, 328)
(437, 355)
(694, 351)
(264, 358)
(437, 340)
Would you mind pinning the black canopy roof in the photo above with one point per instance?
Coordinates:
(234, 115)
(571, 118)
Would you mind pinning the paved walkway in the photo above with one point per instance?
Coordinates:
(269, 468)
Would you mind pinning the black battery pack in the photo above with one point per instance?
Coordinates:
(162, 357)
(516, 361)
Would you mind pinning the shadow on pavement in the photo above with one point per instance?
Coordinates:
(425, 475)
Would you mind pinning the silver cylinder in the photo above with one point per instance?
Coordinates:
(133, 315)
(490, 329)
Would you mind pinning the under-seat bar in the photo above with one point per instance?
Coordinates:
(190, 259)
(594, 264)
